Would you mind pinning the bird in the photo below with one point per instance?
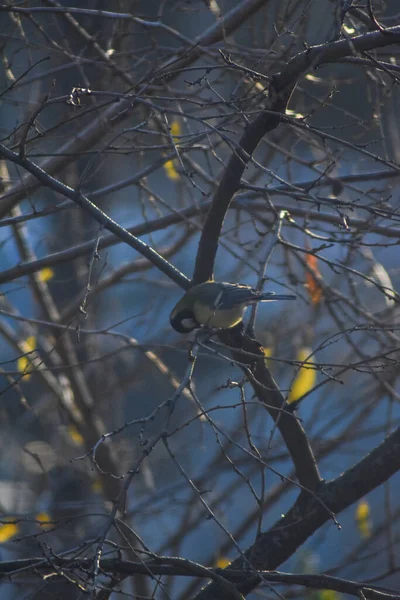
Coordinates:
(217, 305)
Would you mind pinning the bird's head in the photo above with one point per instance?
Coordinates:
(182, 319)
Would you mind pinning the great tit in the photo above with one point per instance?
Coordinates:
(217, 304)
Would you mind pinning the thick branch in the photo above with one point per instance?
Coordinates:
(179, 216)
(184, 568)
(281, 88)
(106, 241)
(101, 217)
(308, 514)
(267, 391)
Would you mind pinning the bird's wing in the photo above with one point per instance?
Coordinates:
(232, 295)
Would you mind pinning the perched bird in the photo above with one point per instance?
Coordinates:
(217, 304)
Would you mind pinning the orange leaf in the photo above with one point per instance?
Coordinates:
(312, 284)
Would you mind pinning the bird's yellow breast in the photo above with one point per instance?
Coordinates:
(217, 317)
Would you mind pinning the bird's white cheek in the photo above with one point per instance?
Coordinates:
(189, 324)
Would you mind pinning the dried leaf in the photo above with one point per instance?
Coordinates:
(314, 289)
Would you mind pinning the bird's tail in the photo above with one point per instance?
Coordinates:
(271, 296)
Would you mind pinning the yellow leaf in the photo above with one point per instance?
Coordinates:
(175, 130)
(328, 595)
(97, 486)
(222, 562)
(45, 274)
(44, 520)
(306, 376)
(363, 514)
(75, 436)
(22, 365)
(171, 171)
(268, 351)
(7, 531)
(29, 345)
(24, 362)
(363, 510)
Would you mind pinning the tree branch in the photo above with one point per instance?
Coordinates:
(308, 514)
(100, 216)
(172, 566)
(281, 88)
(121, 110)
